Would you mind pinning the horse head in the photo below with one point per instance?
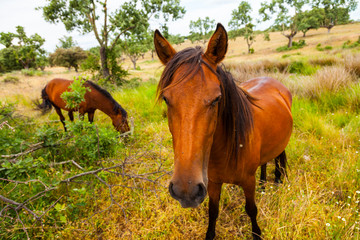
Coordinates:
(192, 91)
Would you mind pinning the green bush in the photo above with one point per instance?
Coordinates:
(301, 67)
(348, 44)
(319, 48)
(295, 45)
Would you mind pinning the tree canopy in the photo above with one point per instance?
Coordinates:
(85, 16)
(201, 29)
(28, 48)
(242, 17)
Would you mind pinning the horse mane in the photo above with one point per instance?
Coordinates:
(234, 107)
(117, 107)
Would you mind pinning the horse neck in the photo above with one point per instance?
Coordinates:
(106, 106)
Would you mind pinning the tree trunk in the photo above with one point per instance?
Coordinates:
(152, 55)
(329, 28)
(104, 63)
(290, 37)
(134, 63)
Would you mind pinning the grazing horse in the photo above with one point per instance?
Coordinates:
(221, 132)
(96, 98)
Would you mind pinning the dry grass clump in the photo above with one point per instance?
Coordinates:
(331, 79)
(325, 61)
(247, 70)
(352, 63)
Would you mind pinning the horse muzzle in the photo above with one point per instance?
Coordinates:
(192, 196)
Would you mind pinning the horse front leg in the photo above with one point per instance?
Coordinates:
(214, 190)
(91, 116)
(250, 206)
(71, 115)
(62, 118)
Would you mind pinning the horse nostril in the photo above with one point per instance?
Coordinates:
(171, 190)
(201, 192)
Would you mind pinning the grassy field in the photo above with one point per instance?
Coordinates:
(320, 199)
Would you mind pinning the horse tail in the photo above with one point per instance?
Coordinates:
(46, 105)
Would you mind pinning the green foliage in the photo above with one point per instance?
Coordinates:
(91, 63)
(310, 19)
(70, 57)
(28, 50)
(319, 48)
(129, 17)
(283, 19)
(295, 45)
(76, 96)
(135, 45)
(8, 59)
(242, 17)
(349, 44)
(67, 42)
(334, 11)
(176, 39)
(201, 29)
(10, 79)
(301, 67)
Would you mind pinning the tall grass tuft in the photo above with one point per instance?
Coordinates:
(352, 63)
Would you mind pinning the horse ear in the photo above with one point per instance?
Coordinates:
(217, 45)
(163, 48)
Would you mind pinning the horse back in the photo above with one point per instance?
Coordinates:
(272, 116)
(55, 88)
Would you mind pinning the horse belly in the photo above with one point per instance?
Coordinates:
(273, 120)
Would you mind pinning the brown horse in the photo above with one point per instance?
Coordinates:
(221, 132)
(97, 98)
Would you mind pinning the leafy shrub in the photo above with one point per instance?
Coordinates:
(91, 63)
(76, 96)
(301, 67)
(319, 48)
(295, 45)
(9, 60)
(11, 79)
(348, 44)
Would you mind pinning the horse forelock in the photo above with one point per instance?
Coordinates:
(117, 108)
(192, 57)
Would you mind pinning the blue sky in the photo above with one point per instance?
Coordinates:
(23, 13)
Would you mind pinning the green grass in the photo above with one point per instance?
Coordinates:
(319, 200)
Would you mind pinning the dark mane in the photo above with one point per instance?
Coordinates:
(235, 105)
(117, 107)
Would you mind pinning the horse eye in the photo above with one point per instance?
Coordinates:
(166, 100)
(215, 101)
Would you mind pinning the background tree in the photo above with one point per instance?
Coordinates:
(70, 57)
(67, 42)
(134, 46)
(309, 19)
(28, 49)
(201, 29)
(241, 17)
(335, 11)
(284, 20)
(131, 15)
